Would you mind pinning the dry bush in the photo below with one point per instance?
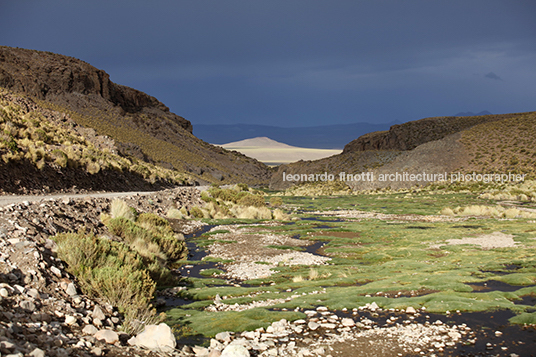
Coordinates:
(175, 214)
(120, 209)
(280, 215)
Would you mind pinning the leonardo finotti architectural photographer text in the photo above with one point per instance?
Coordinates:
(405, 177)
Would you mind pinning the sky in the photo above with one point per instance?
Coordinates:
(297, 63)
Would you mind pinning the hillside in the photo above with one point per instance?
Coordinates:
(483, 144)
(141, 127)
(409, 135)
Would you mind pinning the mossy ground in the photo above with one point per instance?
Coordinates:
(392, 261)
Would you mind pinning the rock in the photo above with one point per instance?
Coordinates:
(223, 336)
(214, 353)
(34, 293)
(313, 325)
(89, 330)
(70, 320)
(157, 338)
(200, 351)
(37, 353)
(7, 345)
(235, 351)
(56, 271)
(71, 290)
(4, 293)
(27, 305)
(97, 351)
(411, 310)
(98, 314)
(347, 322)
(107, 336)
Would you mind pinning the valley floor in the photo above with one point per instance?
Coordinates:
(375, 275)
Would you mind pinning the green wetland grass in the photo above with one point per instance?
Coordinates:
(394, 261)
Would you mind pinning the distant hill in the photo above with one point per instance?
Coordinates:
(489, 144)
(409, 135)
(318, 137)
(272, 152)
(470, 114)
(257, 142)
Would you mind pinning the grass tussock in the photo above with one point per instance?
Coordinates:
(524, 192)
(238, 201)
(48, 135)
(488, 211)
(112, 272)
(330, 188)
(120, 209)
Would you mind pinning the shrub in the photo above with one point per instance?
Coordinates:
(109, 271)
(251, 212)
(175, 214)
(120, 209)
(447, 212)
(252, 200)
(280, 215)
(196, 212)
(276, 201)
(60, 158)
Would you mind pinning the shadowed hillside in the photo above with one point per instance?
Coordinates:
(483, 144)
(409, 135)
(139, 124)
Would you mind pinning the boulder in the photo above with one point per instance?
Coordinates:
(107, 336)
(158, 338)
(235, 351)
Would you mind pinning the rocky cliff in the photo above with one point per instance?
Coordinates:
(49, 76)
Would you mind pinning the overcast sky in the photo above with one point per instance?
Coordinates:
(297, 63)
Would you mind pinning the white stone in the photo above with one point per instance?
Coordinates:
(157, 338)
(98, 314)
(37, 353)
(71, 290)
(4, 293)
(313, 325)
(411, 310)
(223, 336)
(235, 351)
(56, 271)
(347, 322)
(89, 330)
(70, 320)
(107, 336)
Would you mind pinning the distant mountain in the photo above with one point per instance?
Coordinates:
(471, 114)
(318, 137)
(274, 153)
(257, 142)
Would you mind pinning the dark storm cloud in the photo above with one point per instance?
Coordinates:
(492, 75)
(297, 62)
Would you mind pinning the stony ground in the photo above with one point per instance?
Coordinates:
(42, 310)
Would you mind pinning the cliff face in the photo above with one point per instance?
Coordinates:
(409, 135)
(49, 76)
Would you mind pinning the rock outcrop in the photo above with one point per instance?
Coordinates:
(50, 76)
